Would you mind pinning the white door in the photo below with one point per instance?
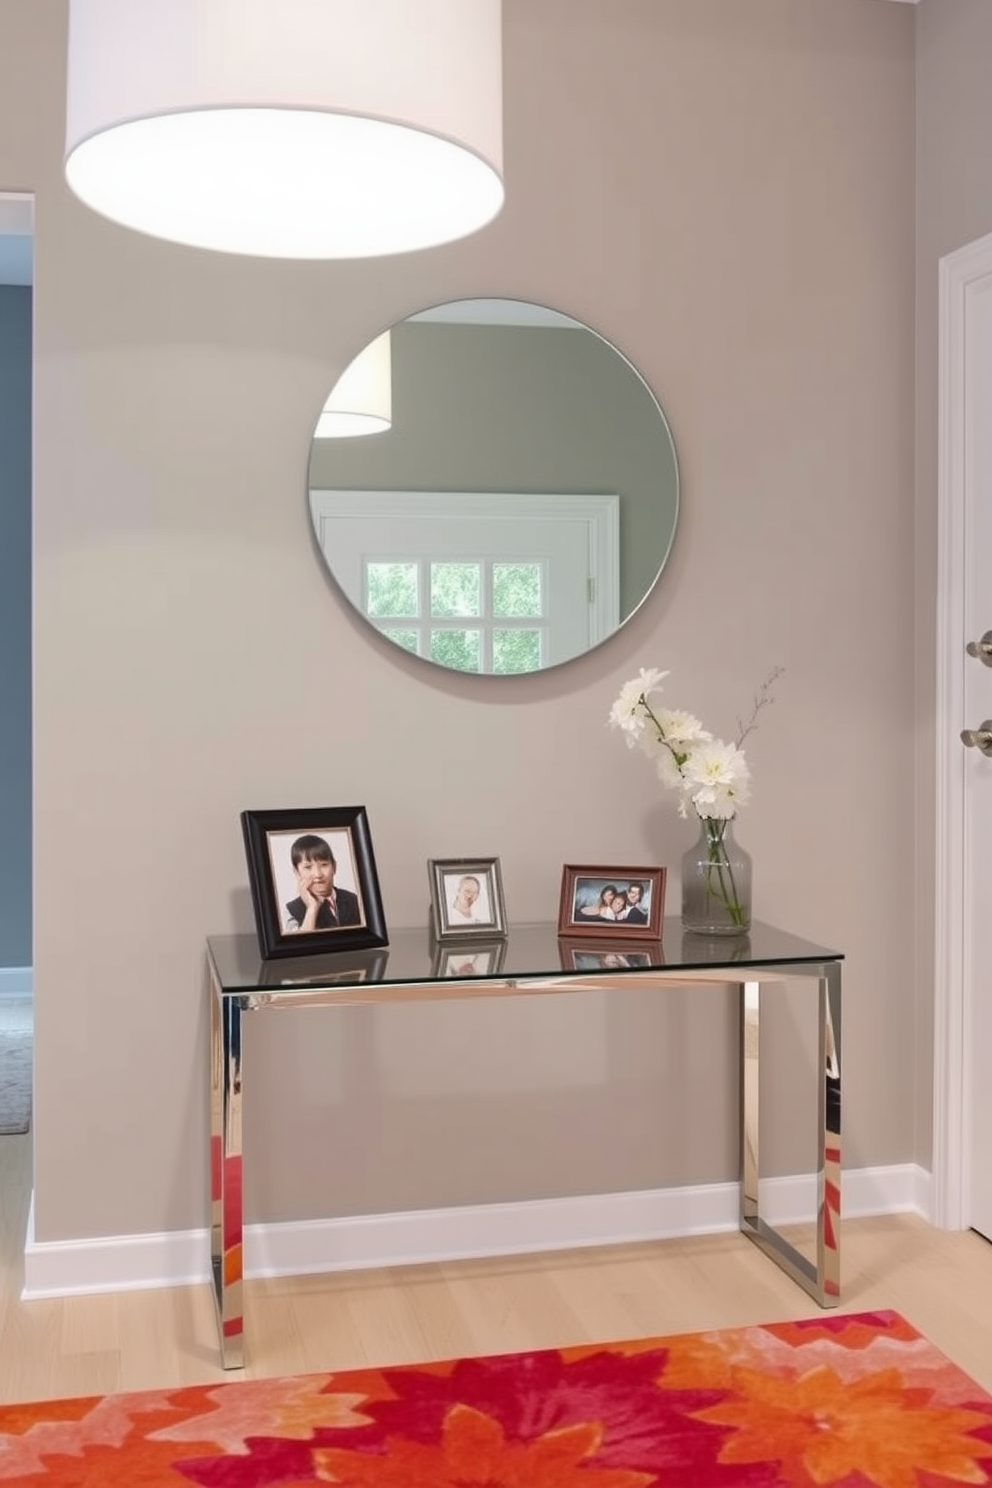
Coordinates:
(978, 766)
(963, 982)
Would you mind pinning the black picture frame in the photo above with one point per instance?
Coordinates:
(271, 839)
(344, 969)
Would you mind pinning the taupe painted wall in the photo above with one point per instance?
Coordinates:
(954, 207)
(725, 190)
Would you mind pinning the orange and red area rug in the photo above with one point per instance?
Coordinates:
(861, 1401)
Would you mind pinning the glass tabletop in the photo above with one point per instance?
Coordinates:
(526, 951)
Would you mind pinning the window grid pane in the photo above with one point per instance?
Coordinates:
(457, 648)
(483, 590)
(517, 590)
(516, 650)
(391, 590)
(456, 590)
(408, 639)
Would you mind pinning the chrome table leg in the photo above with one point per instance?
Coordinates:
(822, 1278)
(226, 1174)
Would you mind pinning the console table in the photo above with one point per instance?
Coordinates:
(531, 962)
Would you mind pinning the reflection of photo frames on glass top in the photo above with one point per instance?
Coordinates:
(343, 969)
(468, 958)
(466, 899)
(603, 955)
(314, 885)
(615, 902)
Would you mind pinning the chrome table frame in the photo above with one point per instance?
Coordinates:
(822, 1279)
(229, 1003)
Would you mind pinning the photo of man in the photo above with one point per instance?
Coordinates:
(467, 899)
(636, 912)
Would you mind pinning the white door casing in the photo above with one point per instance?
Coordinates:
(575, 536)
(962, 1173)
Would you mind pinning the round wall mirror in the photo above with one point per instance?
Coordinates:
(493, 486)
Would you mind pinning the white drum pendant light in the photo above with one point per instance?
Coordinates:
(288, 128)
(361, 401)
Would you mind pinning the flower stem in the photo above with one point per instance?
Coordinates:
(679, 759)
(761, 699)
(720, 882)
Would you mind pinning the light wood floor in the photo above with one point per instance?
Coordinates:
(941, 1282)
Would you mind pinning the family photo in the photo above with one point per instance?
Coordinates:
(606, 960)
(611, 901)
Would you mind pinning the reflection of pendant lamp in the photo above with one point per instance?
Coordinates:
(361, 401)
(288, 128)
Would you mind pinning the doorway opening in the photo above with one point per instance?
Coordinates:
(16, 338)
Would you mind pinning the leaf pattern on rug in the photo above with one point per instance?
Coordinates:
(848, 1330)
(32, 1436)
(534, 1393)
(821, 1429)
(289, 1408)
(473, 1449)
(859, 1401)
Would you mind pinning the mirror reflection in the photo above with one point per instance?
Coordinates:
(517, 498)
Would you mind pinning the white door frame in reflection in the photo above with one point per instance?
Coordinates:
(574, 539)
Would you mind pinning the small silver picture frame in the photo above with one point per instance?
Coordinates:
(466, 899)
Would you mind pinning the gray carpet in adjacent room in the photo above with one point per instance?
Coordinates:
(16, 1040)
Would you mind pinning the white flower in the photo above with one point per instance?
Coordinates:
(626, 712)
(711, 777)
(651, 680)
(716, 778)
(668, 771)
(680, 728)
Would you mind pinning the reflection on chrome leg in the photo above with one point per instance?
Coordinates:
(821, 1280)
(226, 1167)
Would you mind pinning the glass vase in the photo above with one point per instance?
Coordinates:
(716, 881)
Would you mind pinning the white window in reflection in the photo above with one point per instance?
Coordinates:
(391, 590)
(503, 601)
(518, 590)
(408, 639)
(457, 648)
(456, 589)
(517, 651)
(473, 581)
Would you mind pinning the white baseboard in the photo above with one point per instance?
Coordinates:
(121, 1263)
(16, 981)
